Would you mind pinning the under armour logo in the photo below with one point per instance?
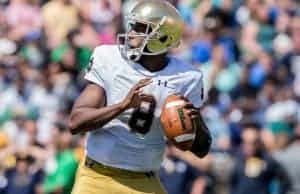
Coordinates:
(165, 84)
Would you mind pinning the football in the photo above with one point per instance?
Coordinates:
(176, 123)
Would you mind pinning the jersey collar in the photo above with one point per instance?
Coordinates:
(146, 72)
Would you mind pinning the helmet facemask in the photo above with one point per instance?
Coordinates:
(151, 33)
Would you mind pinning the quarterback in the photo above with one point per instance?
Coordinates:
(121, 105)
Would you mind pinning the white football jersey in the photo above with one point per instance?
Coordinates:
(115, 144)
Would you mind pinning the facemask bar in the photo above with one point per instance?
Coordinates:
(135, 54)
(128, 53)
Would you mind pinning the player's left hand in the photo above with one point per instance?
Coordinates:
(192, 111)
(203, 139)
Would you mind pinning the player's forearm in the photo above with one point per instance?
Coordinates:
(202, 140)
(87, 119)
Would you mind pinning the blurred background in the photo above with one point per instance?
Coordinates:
(249, 52)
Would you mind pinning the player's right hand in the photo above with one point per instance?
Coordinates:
(135, 95)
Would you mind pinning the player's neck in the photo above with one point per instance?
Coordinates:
(154, 63)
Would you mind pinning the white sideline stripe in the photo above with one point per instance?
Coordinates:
(185, 137)
(175, 103)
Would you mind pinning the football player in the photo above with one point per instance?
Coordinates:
(121, 105)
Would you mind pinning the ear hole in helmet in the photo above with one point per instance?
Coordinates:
(163, 39)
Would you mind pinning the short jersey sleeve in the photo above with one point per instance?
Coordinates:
(195, 91)
(97, 70)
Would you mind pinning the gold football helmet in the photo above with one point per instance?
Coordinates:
(163, 31)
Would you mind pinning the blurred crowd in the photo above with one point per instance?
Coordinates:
(248, 51)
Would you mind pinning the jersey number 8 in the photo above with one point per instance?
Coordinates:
(141, 119)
